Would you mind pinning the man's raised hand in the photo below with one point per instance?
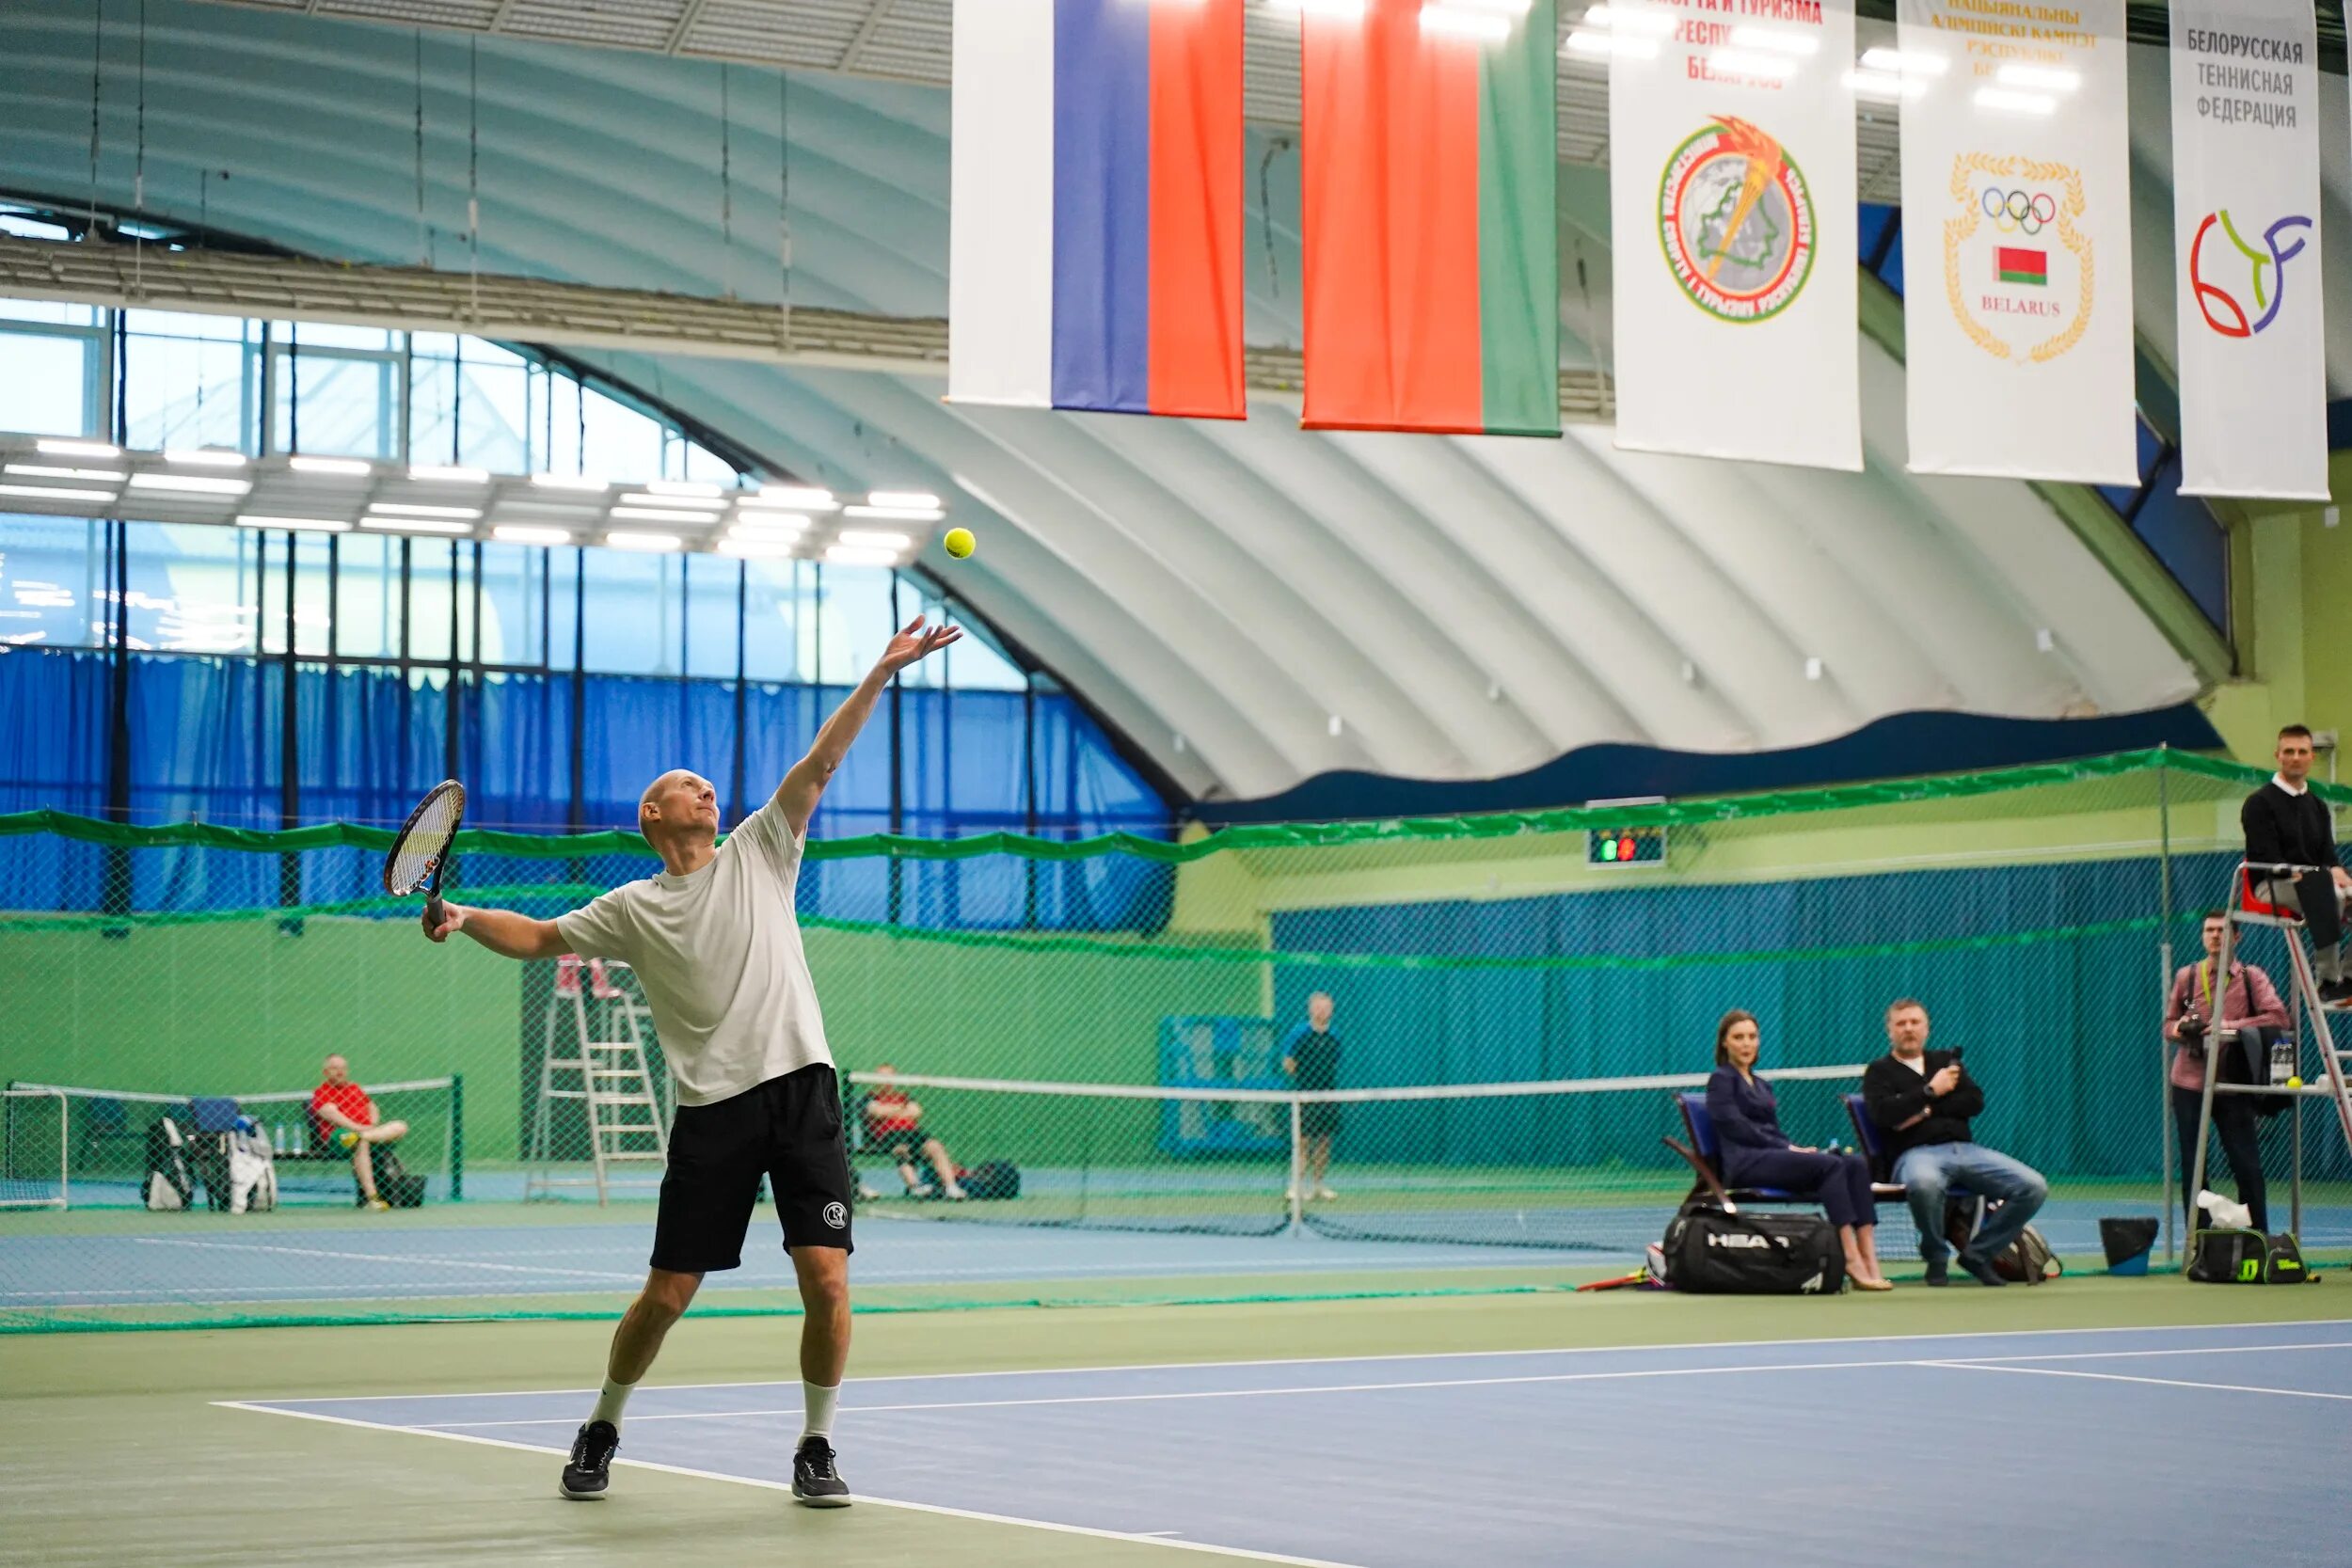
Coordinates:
(918, 643)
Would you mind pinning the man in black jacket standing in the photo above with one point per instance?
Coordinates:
(2289, 828)
(1921, 1100)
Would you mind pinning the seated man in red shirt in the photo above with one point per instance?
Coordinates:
(344, 1117)
(893, 1126)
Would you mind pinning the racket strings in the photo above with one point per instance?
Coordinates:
(426, 842)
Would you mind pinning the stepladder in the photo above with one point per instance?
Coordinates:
(2313, 1018)
(594, 1053)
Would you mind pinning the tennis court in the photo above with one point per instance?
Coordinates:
(1658, 1429)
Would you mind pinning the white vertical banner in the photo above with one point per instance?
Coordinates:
(2253, 368)
(2017, 234)
(1731, 187)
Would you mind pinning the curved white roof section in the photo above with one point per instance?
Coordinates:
(1253, 604)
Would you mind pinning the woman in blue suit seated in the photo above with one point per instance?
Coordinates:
(1756, 1153)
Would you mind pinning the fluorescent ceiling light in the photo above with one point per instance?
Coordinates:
(449, 475)
(1752, 62)
(1778, 41)
(43, 471)
(895, 513)
(801, 498)
(523, 533)
(701, 506)
(1622, 22)
(569, 481)
(411, 508)
(679, 488)
(1483, 25)
(756, 549)
(2005, 102)
(415, 524)
(1883, 84)
(2038, 78)
(850, 555)
(330, 466)
(875, 540)
(920, 501)
(642, 540)
(1905, 62)
(207, 457)
(659, 514)
(312, 525)
(55, 492)
(1611, 43)
(768, 522)
(80, 449)
(194, 484)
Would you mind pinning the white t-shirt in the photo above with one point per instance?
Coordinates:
(719, 953)
(1917, 1064)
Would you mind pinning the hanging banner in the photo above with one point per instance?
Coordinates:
(1094, 221)
(1431, 155)
(2017, 232)
(2253, 368)
(1731, 180)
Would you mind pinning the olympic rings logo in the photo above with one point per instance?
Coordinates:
(2020, 211)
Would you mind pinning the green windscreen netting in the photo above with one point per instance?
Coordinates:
(1083, 1071)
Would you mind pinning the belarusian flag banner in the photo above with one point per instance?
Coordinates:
(2017, 238)
(2253, 348)
(1432, 252)
(1731, 187)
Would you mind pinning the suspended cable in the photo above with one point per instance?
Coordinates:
(726, 187)
(424, 247)
(97, 65)
(784, 206)
(138, 174)
(473, 178)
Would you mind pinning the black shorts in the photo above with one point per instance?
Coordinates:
(787, 1130)
(1319, 1119)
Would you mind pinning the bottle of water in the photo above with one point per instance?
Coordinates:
(2281, 1063)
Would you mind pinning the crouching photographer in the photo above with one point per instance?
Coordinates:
(2241, 1054)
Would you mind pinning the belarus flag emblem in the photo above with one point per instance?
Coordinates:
(2017, 265)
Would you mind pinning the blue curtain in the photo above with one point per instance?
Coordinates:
(207, 743)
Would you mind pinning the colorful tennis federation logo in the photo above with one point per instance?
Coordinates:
(2266, 272)
(1736, 219)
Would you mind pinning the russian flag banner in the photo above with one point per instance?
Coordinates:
(1094, 252)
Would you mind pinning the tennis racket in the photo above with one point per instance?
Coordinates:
(420, 856)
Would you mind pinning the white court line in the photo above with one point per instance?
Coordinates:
(2119, 1377)
(1152, 1539)
(1162, 1396)
(1417, 1355)
(409, 1261)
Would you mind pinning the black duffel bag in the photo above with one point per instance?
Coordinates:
(1709, 1252)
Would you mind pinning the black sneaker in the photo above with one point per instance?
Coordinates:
(589, 1471)
(815, 1481)
(2336, 993)
(1939, 1273)
(1981, 1270)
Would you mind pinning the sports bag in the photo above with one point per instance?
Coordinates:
(992, 1178)
(1710, 1251)
(2027, 1261)
(168, 1185)
(2246, 1258)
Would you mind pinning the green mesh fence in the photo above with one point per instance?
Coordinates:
(1087, 1041)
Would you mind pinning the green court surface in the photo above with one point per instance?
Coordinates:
(117, 1452)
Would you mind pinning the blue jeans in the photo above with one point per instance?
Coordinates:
(1930, 1172)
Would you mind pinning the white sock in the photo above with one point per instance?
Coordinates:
(610, 1402)
(821, 1401)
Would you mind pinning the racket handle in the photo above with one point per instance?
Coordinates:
(434, 912)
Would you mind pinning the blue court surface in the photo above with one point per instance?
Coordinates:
(2189, 1446)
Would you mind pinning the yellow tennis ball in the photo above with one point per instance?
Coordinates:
(959, 543)
(2294, 1082)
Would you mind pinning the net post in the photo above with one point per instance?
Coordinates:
(1298, 1166)
(2164, 967)
(65, 1154)
(456, 1137)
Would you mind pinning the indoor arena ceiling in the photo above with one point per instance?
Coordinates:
(1253, 605)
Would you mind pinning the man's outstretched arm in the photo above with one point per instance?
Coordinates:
(803, 786)
(503, 931)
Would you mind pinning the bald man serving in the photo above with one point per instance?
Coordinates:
(714, 941)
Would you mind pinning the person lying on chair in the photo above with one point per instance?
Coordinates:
(894, 1127)
(1922, 1101)
(1756, 1153)
(346, 1118)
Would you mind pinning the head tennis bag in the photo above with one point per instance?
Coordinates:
(1710, 1252)
(992, 1180)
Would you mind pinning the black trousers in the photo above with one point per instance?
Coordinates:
(2235, 1135)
